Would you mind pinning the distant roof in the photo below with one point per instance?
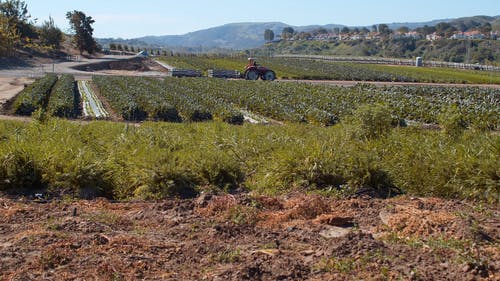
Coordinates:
(143, 54)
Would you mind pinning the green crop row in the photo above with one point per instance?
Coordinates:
(199, 99)
(64, 99)
(326, 105)
(56, 96)
(138, 99)
(35, 96)
(159, 160)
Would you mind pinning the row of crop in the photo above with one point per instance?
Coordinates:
(56, 96)
(198, 99)
(139, 99)
(134, 99)
(324, 104)
(35, 96)
(64, 100)
(197, 103)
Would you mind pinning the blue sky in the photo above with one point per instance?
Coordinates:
(129, 19)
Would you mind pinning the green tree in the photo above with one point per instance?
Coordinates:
(404, 29)
(486, 29)
(112, 46)
(119, 47)
(8, 37)
(81, 25)
(50, 34)
(345, 30)
(384, 30)
(125, 48)
(287, 32)
(16, 12)
(268, 35)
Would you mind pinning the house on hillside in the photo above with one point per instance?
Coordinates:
(473, 35)
(432, 37)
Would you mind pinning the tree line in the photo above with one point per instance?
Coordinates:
(19, 30)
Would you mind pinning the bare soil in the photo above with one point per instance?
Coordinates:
(243, 237)
(11, 86)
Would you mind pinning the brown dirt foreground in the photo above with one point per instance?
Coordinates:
(243, 237)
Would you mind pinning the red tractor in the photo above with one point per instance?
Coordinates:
(254, 71)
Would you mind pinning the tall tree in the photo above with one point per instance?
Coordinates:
(384, 30)
(287, 32)
(50, 34)
(81, 25)
(268, 35)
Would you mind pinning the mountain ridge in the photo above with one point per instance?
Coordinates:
(247, 35)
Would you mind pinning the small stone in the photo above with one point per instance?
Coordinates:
(308, 252)
(202, 200)
(334, 232)
(101, 239)
(384, 216)
(465, 268)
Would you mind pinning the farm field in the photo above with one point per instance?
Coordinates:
(198, 99)
(332, 184)
(295, 68)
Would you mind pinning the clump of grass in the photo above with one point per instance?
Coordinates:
(371, 121)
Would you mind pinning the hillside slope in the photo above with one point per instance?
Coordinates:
(251, 35)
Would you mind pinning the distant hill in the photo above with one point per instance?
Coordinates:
(251, 35)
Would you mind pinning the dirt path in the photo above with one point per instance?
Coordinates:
(11, 86)
(226, 237)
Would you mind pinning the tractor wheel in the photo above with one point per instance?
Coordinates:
(269, 75)
(252, 74)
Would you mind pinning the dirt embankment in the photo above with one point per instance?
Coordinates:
(226, 237)
(134, 64)
(11, 86)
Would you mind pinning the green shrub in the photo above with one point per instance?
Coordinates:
(452, 122)
(371, 121)
(19, 172)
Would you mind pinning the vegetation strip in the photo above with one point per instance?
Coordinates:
(159, 160)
